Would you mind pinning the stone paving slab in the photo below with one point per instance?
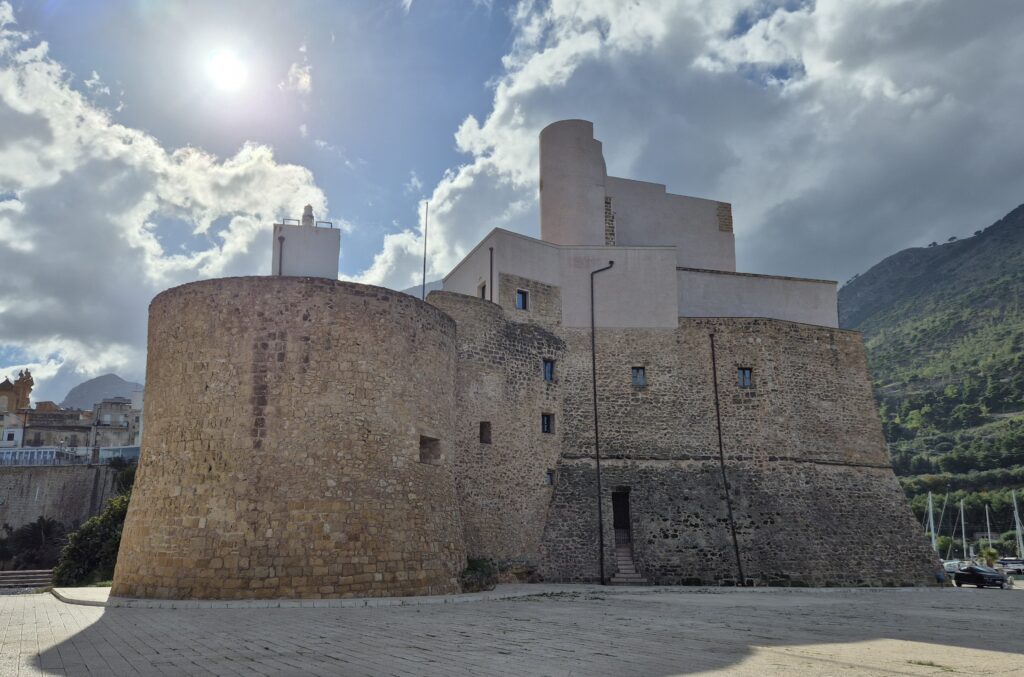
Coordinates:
(580, 631)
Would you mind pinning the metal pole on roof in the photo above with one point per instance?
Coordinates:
(426, 221)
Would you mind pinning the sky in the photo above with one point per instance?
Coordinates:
(148, 143)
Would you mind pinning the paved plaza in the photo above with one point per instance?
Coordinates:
(564, 630)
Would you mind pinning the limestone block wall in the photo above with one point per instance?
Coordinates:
(285, 423)
(502, 485)
(69, 494)
(804, 456)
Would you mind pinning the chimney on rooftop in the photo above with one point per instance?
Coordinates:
(307, 215)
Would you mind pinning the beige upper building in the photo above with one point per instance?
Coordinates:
(674, 256)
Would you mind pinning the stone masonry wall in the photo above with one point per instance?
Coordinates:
(503, 492)
(69, 494)
(814, 499)
(281, 454)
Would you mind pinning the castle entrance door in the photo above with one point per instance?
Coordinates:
(620, 516)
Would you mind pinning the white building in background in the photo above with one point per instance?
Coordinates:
(675, 256)
(307, 249)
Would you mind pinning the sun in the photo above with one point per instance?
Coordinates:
(226, 70)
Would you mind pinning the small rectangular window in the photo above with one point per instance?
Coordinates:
(483, 290)
(430, 450)
(547, 423)
(549, 370)
(745, 377)
(522, 299)
(639, 375)
(10, 437)
(485, 432)
(549, 477)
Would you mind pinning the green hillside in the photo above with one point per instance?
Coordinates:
(944, 328)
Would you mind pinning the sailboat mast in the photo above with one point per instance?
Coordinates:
(988, 526)
(931, 522)
(1016, 525)
(963, 528)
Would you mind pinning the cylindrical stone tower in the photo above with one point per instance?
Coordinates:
(572, 184)
(295, 445)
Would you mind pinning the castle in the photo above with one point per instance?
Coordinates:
(611, 402)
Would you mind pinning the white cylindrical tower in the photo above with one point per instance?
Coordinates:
(572, 184)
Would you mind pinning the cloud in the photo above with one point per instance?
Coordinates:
(413, 185)
(406, 5)
(96, 218)
(95, 84)
(300, 75)
(303, 130)
(840, 131)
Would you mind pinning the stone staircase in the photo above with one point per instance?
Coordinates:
(625, 569)
(34, 578)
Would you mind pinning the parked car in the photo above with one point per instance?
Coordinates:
(953, 565)
(1011, 565)
(981, 576)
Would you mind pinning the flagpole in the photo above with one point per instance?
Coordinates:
(426, 221)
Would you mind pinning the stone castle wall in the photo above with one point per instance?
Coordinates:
(69, 494)
(282, 454)
(502, 485)
(804, 458)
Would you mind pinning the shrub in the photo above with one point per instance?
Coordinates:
(35, 545)
(479, 575)
(91, 552)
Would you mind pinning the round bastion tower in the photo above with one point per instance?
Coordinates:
(295, 445)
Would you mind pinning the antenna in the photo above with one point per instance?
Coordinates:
(426, 222)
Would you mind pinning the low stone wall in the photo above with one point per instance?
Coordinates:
(69, 494)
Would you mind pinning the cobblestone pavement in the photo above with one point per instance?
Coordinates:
(649, 631)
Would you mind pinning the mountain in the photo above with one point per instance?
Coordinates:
(86, 394)
(434, 285)
(944, 330)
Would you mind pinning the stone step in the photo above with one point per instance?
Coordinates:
(615, 580)
(26, 578)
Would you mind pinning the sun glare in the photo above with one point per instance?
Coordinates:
(226, 71)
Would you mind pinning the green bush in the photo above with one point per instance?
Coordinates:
(91, 552)
(479, 575)
(35, 545)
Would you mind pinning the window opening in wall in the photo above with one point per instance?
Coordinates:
(547, 423)
(430, 450)
(10, 437)
(522, 299)
(745, 376)
(549, 478)
(639, 376)
(549, 370)
(483, 290)
(485, 432)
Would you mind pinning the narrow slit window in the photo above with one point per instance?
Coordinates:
(485, 432)
(547, 423)
(549, 370)
(549, 478)
(483, 290)
(522, 299)
(639, 376)
(430, 450)
(745, 377)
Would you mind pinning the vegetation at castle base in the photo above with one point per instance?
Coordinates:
(479, 575)
(35, 545)
(944, 331)
(91, 552)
